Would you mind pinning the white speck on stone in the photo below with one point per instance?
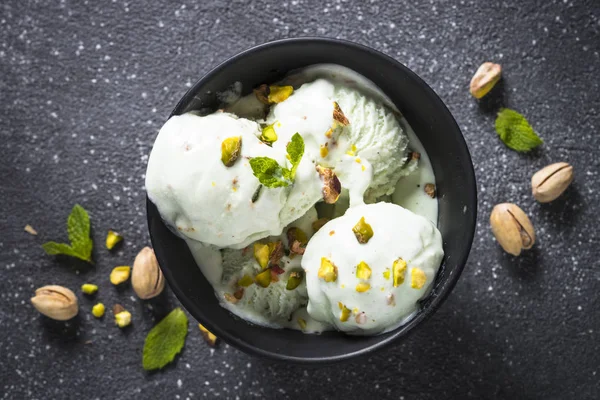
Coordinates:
(179, 383)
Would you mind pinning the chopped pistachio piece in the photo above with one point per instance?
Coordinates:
(120, 274)
(363, 271)
(275, 252)
(331, 184)
(208, 336)
(261, 254)
(112, 238)
(318, 224)
(297, 240)
(399, 269)
(122, 316)
(302, 323)
(345, 314)
(417, 278)
(230, 150)
(362, 231)
(245, 281)
(238, 294)
(294, 280)
(386, 274)
(340, 305)
(338, 115)
(98, 310)
(324, 150)
(361, 318)
(352, 151)
(328, 270)
(268, 134)
(430, 190)
(29, 229)
(363, 287)
(390, 299)
(230, 298)
(263, 279)
(89, 288)
(277, 94)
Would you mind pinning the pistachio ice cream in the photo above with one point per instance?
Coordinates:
(266, 194)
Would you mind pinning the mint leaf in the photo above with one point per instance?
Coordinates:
(78, 228)
(165, 340)
(515, 131)
(295, 150)
(268, 172)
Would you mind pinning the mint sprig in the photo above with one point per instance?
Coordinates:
(273, 175)
(78, 228)
(515, 131)
(165, 340)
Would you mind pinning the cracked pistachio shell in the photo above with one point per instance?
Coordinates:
(551, 181)
(147, 278)
(512, 228)
(56, 302)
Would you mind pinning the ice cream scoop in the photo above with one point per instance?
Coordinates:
(366, 271)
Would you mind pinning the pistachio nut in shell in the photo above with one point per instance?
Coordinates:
(56, 302)
(147, 278)
(512, 228)
(551, 181)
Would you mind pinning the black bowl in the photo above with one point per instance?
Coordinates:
(439, 134)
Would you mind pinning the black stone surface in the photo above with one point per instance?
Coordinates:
(86, 85)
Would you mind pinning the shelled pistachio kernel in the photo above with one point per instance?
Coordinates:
(230, 150)
(277, 94)
(318, 224)
(328, 270)
(268, 134)
(294, 280)
(363, 287)
(122, 316)
(398, 271)
(98, 310)
(120, 274)
(417, 278)
(302, 323)
(263, 279)
(209, 337)
(261, 254)
(245, 281)
(346, 312)
(363, 271)
(89, 288)
(363, 231)
(112, 238)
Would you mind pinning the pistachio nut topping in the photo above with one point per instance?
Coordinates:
(318, 224)
(120, 274)
(276, 252)
(56, 302)
(98, 310)
(230, 298)
(208, 336)
(331, 184)
(263, 279)
(430, 190)
(415, 156)
(512, 228)
(417, 278)
(112, 239)
(399, 269)
(551, 181)
(122, 316)
(272, 94)
(345, 314)
(302, 324)
(361, 318)
(390, 299)
(363, 231)
(238, 294)
(268, 134)
(324, 150)
(294, 280)
(328, 271)
(230, 150)
(338, 115)
(386, 274)
(245, 281)
(147, 279)
(261, 254)
(486, 77)
(297, 240)
(363, 287)
(363, 271)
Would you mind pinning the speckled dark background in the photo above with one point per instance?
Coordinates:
(84, 87)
